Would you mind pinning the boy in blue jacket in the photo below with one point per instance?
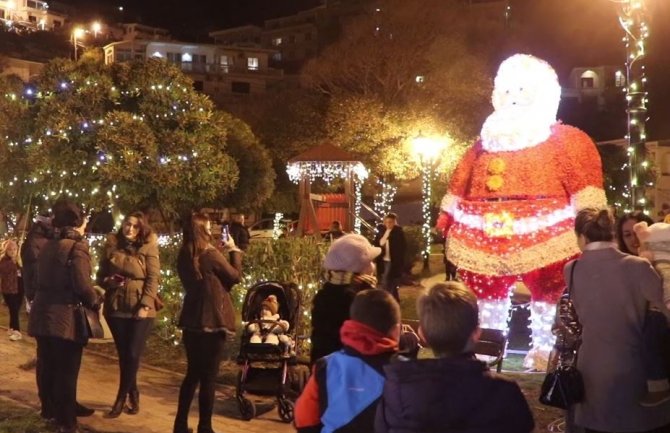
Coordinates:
(342, 393)
(454, 391)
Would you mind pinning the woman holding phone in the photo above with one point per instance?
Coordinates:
(129, 272)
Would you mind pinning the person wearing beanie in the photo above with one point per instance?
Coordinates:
(63, 281)
(348, 269)
(352, 379)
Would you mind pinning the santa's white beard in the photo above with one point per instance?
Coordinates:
(515, 129)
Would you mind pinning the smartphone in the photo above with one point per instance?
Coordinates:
(224, 234)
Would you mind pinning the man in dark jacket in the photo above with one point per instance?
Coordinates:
(239, 232)
(392, 260)
(343, 392)
(454, 392)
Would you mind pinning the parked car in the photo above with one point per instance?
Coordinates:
(264, 229)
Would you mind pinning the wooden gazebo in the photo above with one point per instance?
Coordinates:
(328, 162)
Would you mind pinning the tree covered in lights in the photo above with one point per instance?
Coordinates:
(131, 135)
(389, 80)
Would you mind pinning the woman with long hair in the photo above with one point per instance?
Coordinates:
(11, 286)
(129, 272)
(611, 358)
(206, 317)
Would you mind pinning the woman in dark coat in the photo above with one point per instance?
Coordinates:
(206, 316)
(611, 354)
(129, 273)
(63, 281)
(348, 270)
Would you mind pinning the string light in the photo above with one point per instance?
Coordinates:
(632, 17)
(276, 227)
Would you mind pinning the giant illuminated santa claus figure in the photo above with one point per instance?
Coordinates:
(508, 214)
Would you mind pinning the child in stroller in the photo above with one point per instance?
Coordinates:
(266, 351)
(270, 328)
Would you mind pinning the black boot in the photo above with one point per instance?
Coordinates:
(133, 406)
(117, 408)
(83, 411)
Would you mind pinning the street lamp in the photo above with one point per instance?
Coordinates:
(77, 33)
(96, 27)
(428, 149)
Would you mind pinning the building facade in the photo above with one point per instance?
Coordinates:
(596, 84)
(30, 15)
(218, 71)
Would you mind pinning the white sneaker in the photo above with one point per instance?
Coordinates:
(16, 336)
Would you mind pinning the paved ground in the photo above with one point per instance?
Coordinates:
(97, 389)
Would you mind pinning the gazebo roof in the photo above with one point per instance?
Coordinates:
(325, 152)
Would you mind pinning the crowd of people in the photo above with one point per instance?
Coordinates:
(365, 373)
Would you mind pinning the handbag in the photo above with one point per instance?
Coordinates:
(87, 323)
(564, 386)
(86, 320)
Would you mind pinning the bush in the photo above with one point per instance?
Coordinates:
(296, 260)
(414, 243)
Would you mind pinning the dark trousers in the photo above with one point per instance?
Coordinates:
(130, 337)
(14, 302)
(389, 282)
(654, 333)
(58, 363)
(203, 354)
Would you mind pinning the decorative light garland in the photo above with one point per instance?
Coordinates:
(426, 189)
(384, 199)
(276, 227)
(632, 17)
(328, 171)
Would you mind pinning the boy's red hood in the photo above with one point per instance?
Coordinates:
(366, 340)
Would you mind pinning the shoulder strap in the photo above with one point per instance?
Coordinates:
(70, 255)
(572, 278)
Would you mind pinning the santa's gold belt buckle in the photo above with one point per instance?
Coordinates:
(499, 224)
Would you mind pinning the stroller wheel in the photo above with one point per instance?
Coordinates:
(247, 408)
(286, 410)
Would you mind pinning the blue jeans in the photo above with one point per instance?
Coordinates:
(654, 332)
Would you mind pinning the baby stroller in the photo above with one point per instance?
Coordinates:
(265, 367)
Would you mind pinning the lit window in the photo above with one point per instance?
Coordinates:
(619, 79)
(252, 63)
(276, 42)
(157, 55)
(589, 80)
(186, 57)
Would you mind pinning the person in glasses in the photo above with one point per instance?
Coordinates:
(129, 272)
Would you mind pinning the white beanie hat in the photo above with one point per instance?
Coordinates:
(350, 253)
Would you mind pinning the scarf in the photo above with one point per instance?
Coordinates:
(366, 340)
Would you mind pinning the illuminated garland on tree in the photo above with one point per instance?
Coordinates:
(329, 171)
(633, 20)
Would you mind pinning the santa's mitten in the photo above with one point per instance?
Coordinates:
(253, 328)
(255, 339)
(272, 339)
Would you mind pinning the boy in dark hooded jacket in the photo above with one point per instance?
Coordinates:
(345, 387)
(455, 391)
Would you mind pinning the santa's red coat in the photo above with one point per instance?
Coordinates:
(510, 215)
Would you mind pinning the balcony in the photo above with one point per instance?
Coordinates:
(212, 68)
